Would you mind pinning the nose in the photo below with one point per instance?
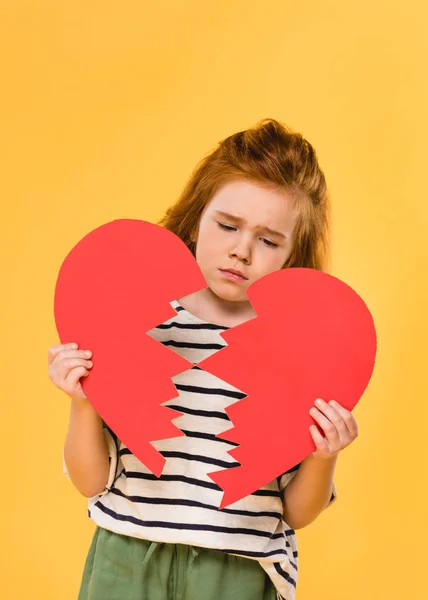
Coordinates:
(242, 252)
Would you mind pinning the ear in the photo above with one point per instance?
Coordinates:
(194, 236)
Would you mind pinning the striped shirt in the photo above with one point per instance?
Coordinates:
(181, 506)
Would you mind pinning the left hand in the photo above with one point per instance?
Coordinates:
(339, 427)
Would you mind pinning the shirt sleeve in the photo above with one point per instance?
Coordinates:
(113, 460)
(285, 479)
(334, 495)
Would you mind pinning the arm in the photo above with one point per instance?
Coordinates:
(85, 450)
(309, 492)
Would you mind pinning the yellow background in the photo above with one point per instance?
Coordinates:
(105, 109)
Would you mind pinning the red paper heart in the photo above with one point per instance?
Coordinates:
(313, 337)
(113, 287)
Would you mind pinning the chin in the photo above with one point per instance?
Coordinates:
(228, 293)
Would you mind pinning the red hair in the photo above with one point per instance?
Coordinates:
(269, 154)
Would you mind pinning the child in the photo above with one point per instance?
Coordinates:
(256, 204)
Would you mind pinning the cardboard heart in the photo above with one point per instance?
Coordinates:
(113, 287)
(313, 337)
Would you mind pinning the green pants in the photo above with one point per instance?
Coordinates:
(120, 567)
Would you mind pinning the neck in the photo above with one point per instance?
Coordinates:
(209, 307)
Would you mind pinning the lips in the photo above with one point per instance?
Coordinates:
(234, 272)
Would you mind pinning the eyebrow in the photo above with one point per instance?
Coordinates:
(239, 220)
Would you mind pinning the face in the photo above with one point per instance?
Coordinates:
(234, 233)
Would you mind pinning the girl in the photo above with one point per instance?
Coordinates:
(256, 204)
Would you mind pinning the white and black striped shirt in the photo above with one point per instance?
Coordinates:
(181, 506)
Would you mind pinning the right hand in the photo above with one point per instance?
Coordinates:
(66, 365)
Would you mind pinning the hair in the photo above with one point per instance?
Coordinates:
(268, 154)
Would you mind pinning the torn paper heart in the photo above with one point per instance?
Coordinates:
(114, 286)
(313, 337)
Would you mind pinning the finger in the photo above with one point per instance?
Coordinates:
(334, 416)
(53, 351)
(69, 354)
(73, 377)
(71, 363)
(347, 416)
(320, 441)
(326, 425)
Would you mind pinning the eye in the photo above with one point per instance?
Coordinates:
(225, 227)
(230, 228)
(270, 244)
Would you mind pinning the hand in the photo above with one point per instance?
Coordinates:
(66, 365)
(339, 427)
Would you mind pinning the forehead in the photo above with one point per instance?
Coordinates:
(259, 205)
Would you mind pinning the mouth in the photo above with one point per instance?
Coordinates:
(233, 275)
